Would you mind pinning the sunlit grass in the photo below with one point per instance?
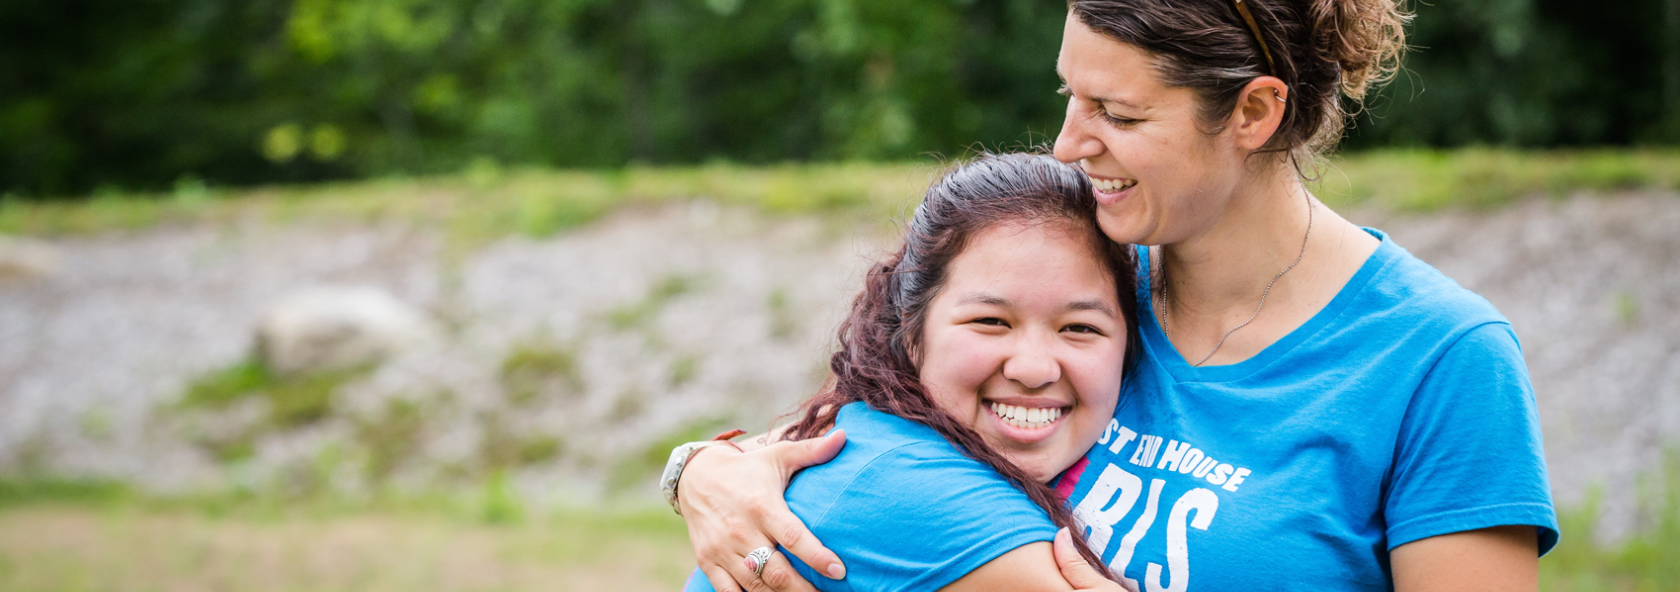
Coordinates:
(480, 204)
(1479, 178)
(74, 536)
(48, 547)
(101, 536)
(486, 202)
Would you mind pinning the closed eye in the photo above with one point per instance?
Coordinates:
(991, 322)
(1083, 328)
(1116, 121)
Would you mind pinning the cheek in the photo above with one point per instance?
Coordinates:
(955, 368)
(1096, 380)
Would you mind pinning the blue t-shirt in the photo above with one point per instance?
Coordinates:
(904, 509)
(1400, 411)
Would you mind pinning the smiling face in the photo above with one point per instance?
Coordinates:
(1159, 177)
(1024, 344)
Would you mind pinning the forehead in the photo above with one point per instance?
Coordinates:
(1051, 256)
(1095, 65)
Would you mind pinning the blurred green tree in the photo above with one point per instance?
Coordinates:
(1530, 73)
(142, 94)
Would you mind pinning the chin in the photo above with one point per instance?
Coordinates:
(1041, 469)
(1120, 231)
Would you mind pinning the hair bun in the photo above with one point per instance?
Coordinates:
(1363, 39)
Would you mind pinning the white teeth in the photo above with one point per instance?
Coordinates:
(1112, 185)
(1027, 417)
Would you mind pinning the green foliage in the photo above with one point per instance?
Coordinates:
(503, 448)
(140, 94)
(391, 437)
(641, 312)
(1626, 308)
(154, 94)
(292, 400)
(500, 503)
(16, 492)
(637, 469)
(683, 370)
(1645, 563)
(1531, 73)
(535, 367)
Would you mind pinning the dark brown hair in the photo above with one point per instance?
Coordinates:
(875, 363)
(1323, 49)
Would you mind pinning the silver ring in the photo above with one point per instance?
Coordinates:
(757, 559)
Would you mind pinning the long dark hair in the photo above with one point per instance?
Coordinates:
(1324, 50)
(875, 363)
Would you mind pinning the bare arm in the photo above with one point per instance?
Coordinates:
(1499, 559)
(1030, 567)
(733, 504)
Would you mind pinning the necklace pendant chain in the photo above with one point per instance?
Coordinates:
(1161, 308)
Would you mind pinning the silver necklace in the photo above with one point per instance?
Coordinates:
(1161, 306)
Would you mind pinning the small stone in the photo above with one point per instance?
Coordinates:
(333, 328)
(22, 259)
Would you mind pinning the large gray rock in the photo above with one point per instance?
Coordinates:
(25, 259)
(329, 328)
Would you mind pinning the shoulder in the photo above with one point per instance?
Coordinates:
(1408, 285)
(905, 509)
(1412, 304)
(896, 467)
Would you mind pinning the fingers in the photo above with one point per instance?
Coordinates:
(1075, 569)
(720, 579)
(816, 451)
(791, 533)
(779, 576)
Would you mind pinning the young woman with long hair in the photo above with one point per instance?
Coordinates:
(1314, 407)
(979, 361)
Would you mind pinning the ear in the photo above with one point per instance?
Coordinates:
(1259, 112)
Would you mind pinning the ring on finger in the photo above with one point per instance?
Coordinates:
(757, 559)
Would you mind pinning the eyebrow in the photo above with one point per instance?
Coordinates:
(994, 300)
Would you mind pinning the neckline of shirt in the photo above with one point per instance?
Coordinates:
(1181, 370)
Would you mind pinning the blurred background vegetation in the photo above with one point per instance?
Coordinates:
(108, 95)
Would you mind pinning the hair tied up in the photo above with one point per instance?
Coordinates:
(1324, 50)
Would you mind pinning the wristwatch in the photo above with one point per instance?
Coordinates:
(674, 469)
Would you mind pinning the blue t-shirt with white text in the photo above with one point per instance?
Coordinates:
(1400, 411)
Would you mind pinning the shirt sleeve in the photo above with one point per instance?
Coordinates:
(920, 517)
(1469, 452)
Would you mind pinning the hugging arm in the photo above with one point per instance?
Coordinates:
(1039, 566)
(733, 504)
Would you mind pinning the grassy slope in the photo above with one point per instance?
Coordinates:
(486, 202)
(73, 537)
(76, 536)
(72, 548)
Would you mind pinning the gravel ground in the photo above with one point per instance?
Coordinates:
(94, 353)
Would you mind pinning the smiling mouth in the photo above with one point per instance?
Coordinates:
(1112, 185)
(1027, 418)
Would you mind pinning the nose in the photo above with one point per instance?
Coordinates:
(1033, 365)
(1072, 143)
